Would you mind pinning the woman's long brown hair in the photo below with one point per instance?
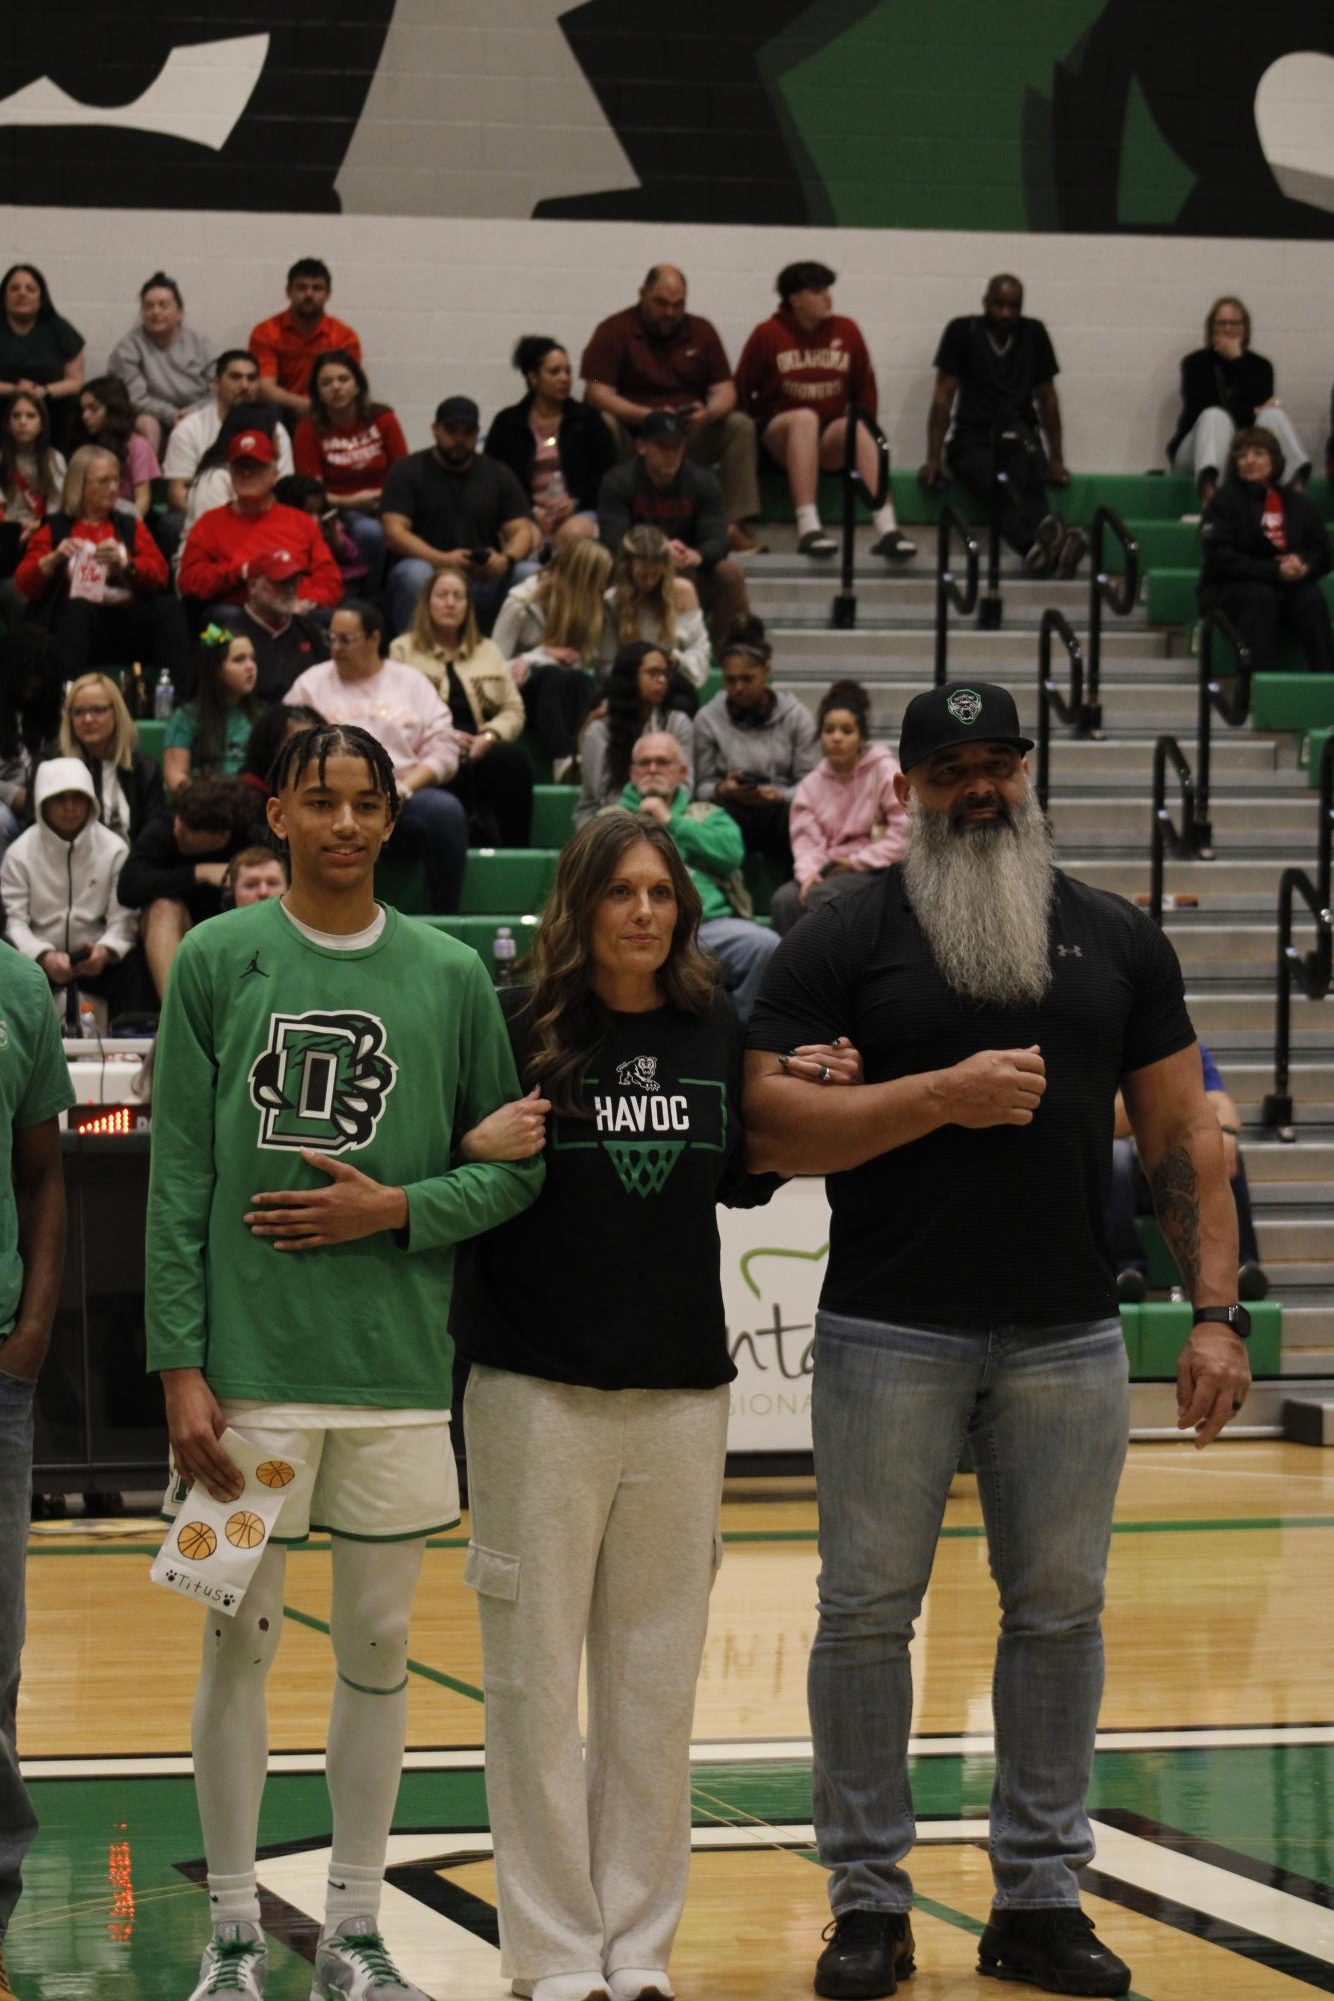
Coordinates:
(568, 1019)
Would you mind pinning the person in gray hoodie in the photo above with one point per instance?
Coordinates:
(59, 886)
(754, 744)
(165, 365)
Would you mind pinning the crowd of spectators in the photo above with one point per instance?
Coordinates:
(251, 526)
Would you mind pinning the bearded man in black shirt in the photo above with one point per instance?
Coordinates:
(997, 1005)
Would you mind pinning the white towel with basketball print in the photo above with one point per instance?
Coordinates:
(213, 1547)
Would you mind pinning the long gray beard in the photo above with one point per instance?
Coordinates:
(982, 895)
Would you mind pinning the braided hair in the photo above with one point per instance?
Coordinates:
(317, 745)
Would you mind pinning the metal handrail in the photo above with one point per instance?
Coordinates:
(1166, 834)
(1214, 699)
(1055, 623)
(1117, 593)
(991, 607)
(1311, 971)
(843, 614)
(948, 590)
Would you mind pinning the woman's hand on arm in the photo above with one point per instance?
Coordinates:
(515, 1131)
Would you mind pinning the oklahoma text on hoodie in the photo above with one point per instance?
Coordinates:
(61, 894)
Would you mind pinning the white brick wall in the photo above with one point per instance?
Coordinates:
(439, 303)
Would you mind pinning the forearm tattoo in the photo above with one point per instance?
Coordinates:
(1176, 1198)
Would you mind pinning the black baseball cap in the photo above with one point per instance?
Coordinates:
(458, 410)
(960, 712)
(665, 424)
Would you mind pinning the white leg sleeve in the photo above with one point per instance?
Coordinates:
(229, 1728)
(373, 1586)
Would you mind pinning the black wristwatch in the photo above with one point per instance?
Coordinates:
(1235, 1317)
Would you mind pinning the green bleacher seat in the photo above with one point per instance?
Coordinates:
(1156, 1331)
(400, 880)
(150, 738)
(1313, 753)
(1292, 700)
(480, 933)
(553, 814)
(507, 879)
(1165, 545)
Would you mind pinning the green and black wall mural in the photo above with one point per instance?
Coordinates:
(1103, 116)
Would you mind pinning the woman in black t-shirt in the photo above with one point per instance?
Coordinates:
(597, 1411)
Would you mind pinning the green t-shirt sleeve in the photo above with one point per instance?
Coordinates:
(181, 1170)
(476, 1196)
(181, 731)
(48, 1090)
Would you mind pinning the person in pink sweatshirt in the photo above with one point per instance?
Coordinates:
(845, 821)
(402, 710)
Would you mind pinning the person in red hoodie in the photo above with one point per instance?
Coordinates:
(799, 372)
(218, 552)
(101, 578)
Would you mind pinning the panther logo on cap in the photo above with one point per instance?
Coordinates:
(964, 705)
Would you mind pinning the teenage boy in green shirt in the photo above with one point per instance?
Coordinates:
(318, 1058)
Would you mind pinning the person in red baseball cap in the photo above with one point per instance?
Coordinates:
(286, 641)
(224, 543)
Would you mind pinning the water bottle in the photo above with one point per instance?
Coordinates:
(503, 954)
(164, 697)
(87, 1021)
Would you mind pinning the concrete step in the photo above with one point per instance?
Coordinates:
(811, 648)
(1101, 819)
(1308, 1273)
(1245, 884)
(1294, 1236)
(1273, 1165)
(1120, 756)
(1241, 947)
(892, 681)
(781, 591)
(1248, 1019)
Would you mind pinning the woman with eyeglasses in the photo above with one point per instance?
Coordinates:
(96, 726)
(1226, 387)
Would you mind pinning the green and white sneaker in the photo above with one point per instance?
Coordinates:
(353, 1964)
(235, 1962)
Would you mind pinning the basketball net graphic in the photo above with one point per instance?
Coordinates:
(644, 1164)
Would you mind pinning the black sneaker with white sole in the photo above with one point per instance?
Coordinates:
(894, 544)
(817, 542)
(1040, 556)
(1055, 1948)
(867, 1954)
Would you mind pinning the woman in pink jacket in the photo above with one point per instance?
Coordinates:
(845, 821)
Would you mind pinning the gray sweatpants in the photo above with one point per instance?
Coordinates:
(1205, 446)
(594, 1524)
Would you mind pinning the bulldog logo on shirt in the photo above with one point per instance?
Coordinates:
(322, 1081)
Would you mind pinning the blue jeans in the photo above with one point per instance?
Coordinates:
(18, 1822)
(1047, 1412)
(434, 826)
(368, 534)
(745, 949)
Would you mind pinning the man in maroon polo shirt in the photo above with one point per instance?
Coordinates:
(657, 356)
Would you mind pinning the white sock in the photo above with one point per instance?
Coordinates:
(808, 520)
(233, 1897)
(351, 1893)
(885, 519)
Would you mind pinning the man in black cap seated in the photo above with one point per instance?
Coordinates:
(660, 486)
(997, 1005)
(449, 504)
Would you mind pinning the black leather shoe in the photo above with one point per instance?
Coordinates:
(1055, 1948)
(868, 1953)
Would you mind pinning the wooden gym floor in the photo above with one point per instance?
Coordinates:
(1211, 1795)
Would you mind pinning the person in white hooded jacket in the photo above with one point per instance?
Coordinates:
(58, 882)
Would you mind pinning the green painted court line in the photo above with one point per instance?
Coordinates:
(968, 1534)
(436, 1675)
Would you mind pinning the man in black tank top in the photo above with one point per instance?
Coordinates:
(997, 1005)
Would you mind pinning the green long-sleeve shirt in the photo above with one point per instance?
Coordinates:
(710, 842)
(382, 1057)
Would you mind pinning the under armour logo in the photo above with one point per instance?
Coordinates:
(255, 967)
(1072, 951)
